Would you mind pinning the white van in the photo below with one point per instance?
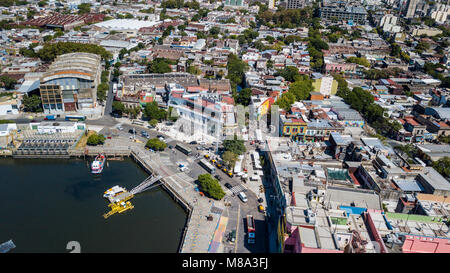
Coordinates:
(243, 197)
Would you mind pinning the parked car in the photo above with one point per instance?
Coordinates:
(261, 208)
(232, 236)
(132, 131)
(193, 142)
(243, 197)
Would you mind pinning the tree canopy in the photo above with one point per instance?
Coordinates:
(236, 69)
(210, 186)
(243, 97)
(95, 139)
(32, 103)
(160, 65)
(156, 144)
(152, 111)
(234, 145)
(442, 166)
(50, 51)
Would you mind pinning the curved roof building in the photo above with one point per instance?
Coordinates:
(70, 83)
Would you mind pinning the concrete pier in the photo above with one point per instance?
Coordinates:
(199, 231)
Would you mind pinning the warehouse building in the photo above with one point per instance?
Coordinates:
(70, 83)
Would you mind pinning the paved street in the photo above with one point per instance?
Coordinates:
(238, 210)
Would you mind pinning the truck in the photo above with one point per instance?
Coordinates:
(251, 229)
(50, 117)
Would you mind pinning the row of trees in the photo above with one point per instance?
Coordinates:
(177, 4)
(285, 18)
(361, 61)
(233, 148)
(50, 51)
(9, 3)
(315, 47)
(363, 102)
(236, 70)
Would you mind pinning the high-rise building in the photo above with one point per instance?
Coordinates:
(440, 13)
(271, 4)
(356, 14)
(411, 8)
(296, 4)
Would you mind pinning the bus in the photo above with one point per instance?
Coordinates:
(207, 166)
(76, 118)
(183, 149)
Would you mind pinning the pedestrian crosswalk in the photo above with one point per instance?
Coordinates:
(237, 189)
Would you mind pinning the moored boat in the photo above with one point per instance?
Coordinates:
(98, 164)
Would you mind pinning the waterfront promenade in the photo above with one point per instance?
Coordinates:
(199, 231)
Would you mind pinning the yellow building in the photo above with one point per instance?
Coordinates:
(293, 126)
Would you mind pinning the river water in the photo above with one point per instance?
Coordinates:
(44, 204)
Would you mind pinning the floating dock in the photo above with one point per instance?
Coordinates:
(118, 208)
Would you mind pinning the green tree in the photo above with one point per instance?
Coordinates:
(236, 69)
(288, 73)
(8, 82)
(229, 158)
(285, 101)
(234, 145)
(84, 8)
(118, 107)
(301, 89)
(160, 65)
(51, 50)
(442, 166)
(152, 111)
(243, 96)
(32, 104)
(102, 88)
(133, 112)
(156, 144)
(153, 122)
(210, 186)
(172, 114)
(360, 61)
(96, 139)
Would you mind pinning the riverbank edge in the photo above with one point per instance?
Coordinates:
(135, 157)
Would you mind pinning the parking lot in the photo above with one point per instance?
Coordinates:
(236, 210)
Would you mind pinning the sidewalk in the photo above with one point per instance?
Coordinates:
(200, 231)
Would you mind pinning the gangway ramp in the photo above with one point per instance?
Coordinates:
(145, 185)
